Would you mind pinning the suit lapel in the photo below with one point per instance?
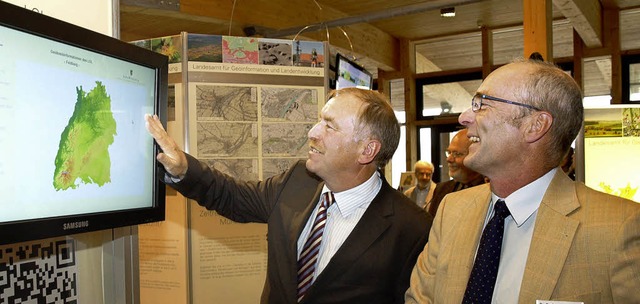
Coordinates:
(468, 215)
(300, 212)
(300, 215)
(552, 238)
(414, 194)
(372, 224)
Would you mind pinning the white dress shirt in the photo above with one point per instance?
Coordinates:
(342, 217)
(518, 231)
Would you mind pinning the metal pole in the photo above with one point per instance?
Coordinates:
(371, 17)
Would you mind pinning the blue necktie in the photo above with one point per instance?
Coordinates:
(485, 268)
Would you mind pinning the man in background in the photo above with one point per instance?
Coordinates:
(462, 177)
(422, 192)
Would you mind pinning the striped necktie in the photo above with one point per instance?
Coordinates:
(309, 255)
(485, 268)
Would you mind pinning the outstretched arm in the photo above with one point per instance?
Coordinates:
(171, 157)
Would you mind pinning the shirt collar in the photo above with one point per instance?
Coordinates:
(426, 189)
(358, 197)
(525, 201)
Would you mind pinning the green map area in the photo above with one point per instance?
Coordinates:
(83, 152)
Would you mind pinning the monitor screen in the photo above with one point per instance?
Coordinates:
(350, 74)
(74, 152)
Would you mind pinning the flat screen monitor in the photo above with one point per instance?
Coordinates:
(350, 74)
(74, 152)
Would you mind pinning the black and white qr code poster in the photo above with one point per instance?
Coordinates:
(39, 272)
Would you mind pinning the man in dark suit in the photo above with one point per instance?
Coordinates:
(373, 233)
(462, 177)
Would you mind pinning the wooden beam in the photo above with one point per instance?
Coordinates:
(139, 22)
(277, 14)
(613, 28)
(385, 55)
(586, 18)
(538, 34)
(408, 69)
(373, 16)
(578, 60)
(383, 83)
(487, 51)
(610, 35)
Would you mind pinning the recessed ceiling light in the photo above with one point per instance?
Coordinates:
(448, 12)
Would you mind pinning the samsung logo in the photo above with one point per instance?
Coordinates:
(75, 225)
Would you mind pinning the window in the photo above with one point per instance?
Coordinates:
(631, 79)
(399, 159)
(446, 95)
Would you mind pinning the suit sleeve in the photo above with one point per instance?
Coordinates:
(407, 270)
(625, 262)
(422, 282)
(237, 200)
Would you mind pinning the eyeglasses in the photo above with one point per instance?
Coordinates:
(476, 102)
(455, 154)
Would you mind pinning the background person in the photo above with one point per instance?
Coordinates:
(462, 177)
(422, 192)
(373, 233)
(561, 240)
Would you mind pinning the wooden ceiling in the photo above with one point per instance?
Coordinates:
(374, 30)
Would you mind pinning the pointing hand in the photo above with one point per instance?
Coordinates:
(171, 157)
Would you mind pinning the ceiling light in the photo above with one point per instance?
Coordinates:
(446, 107)
(448, 12)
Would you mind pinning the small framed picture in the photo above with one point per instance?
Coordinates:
(407, 180)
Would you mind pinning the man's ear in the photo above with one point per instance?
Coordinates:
(371, 149)
(538, 125)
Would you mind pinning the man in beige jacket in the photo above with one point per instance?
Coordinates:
(562, 241)
(422, 192)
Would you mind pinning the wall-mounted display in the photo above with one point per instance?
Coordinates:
(75, 154)
(351, 74)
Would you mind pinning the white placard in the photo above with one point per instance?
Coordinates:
(96, 15)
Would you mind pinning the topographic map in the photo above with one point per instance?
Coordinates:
(273, 166)
(83, 152)
(279, 139)
(243, 169)
(289, 104)
(227, 139)
(226, 103)
(239, 127)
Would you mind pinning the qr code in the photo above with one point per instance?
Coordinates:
(38, 273)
